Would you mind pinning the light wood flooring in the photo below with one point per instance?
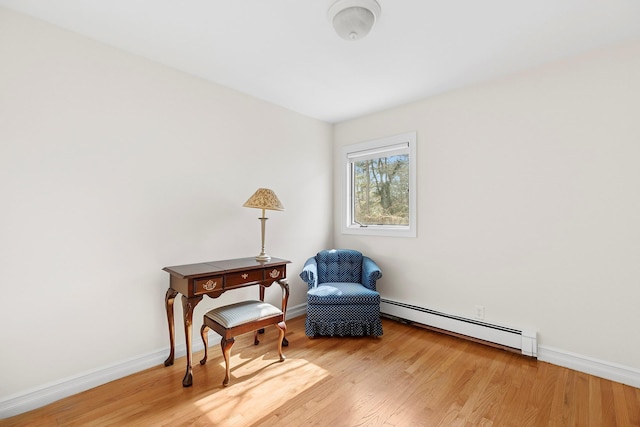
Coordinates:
(408, 377)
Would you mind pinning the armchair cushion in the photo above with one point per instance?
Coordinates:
(342, 293)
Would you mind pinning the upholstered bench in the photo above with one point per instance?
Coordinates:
(239, 318)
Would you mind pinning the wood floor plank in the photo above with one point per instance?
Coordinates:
(608, 408)
(581, 401)
(632, 397)
(410, 376)
(595, 403)
(620, 405)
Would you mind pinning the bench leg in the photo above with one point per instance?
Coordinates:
(283, 328)
(205, 339)
(226, 352)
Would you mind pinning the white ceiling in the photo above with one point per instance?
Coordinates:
(286, 52)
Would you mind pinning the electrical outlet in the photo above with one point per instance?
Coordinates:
(480, 312)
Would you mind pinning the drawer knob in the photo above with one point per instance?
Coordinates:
(210, 285)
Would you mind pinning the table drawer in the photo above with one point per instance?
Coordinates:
(207, 284)
(242, 278)
(275, 273)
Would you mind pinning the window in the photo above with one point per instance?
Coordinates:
(380, 187)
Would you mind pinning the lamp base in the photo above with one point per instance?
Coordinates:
(263, 257)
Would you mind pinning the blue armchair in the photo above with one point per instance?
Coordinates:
(341, 296)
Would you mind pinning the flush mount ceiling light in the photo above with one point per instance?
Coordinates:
(353, 19)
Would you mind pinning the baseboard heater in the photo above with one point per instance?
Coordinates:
(524, 342)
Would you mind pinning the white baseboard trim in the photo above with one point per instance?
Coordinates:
(600, 368)
(47, 393)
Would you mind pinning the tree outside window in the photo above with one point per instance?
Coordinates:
(381, 190)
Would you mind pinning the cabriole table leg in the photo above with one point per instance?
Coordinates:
(188, 304)
(168, 302)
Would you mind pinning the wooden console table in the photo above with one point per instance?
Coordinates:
(194, 281)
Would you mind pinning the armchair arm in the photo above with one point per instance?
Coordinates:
(370, 273)
(310, 273)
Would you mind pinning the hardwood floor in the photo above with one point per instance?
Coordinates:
(409, 377)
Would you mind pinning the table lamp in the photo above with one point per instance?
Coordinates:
(264, 198)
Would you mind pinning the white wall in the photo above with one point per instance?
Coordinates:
(528, 203)
(113, 167)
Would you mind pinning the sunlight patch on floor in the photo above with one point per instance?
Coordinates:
(262, 384)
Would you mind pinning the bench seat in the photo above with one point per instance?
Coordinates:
(239, 318)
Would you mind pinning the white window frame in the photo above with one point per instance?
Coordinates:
(401, 144)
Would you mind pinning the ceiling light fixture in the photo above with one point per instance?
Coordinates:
(353, 19)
